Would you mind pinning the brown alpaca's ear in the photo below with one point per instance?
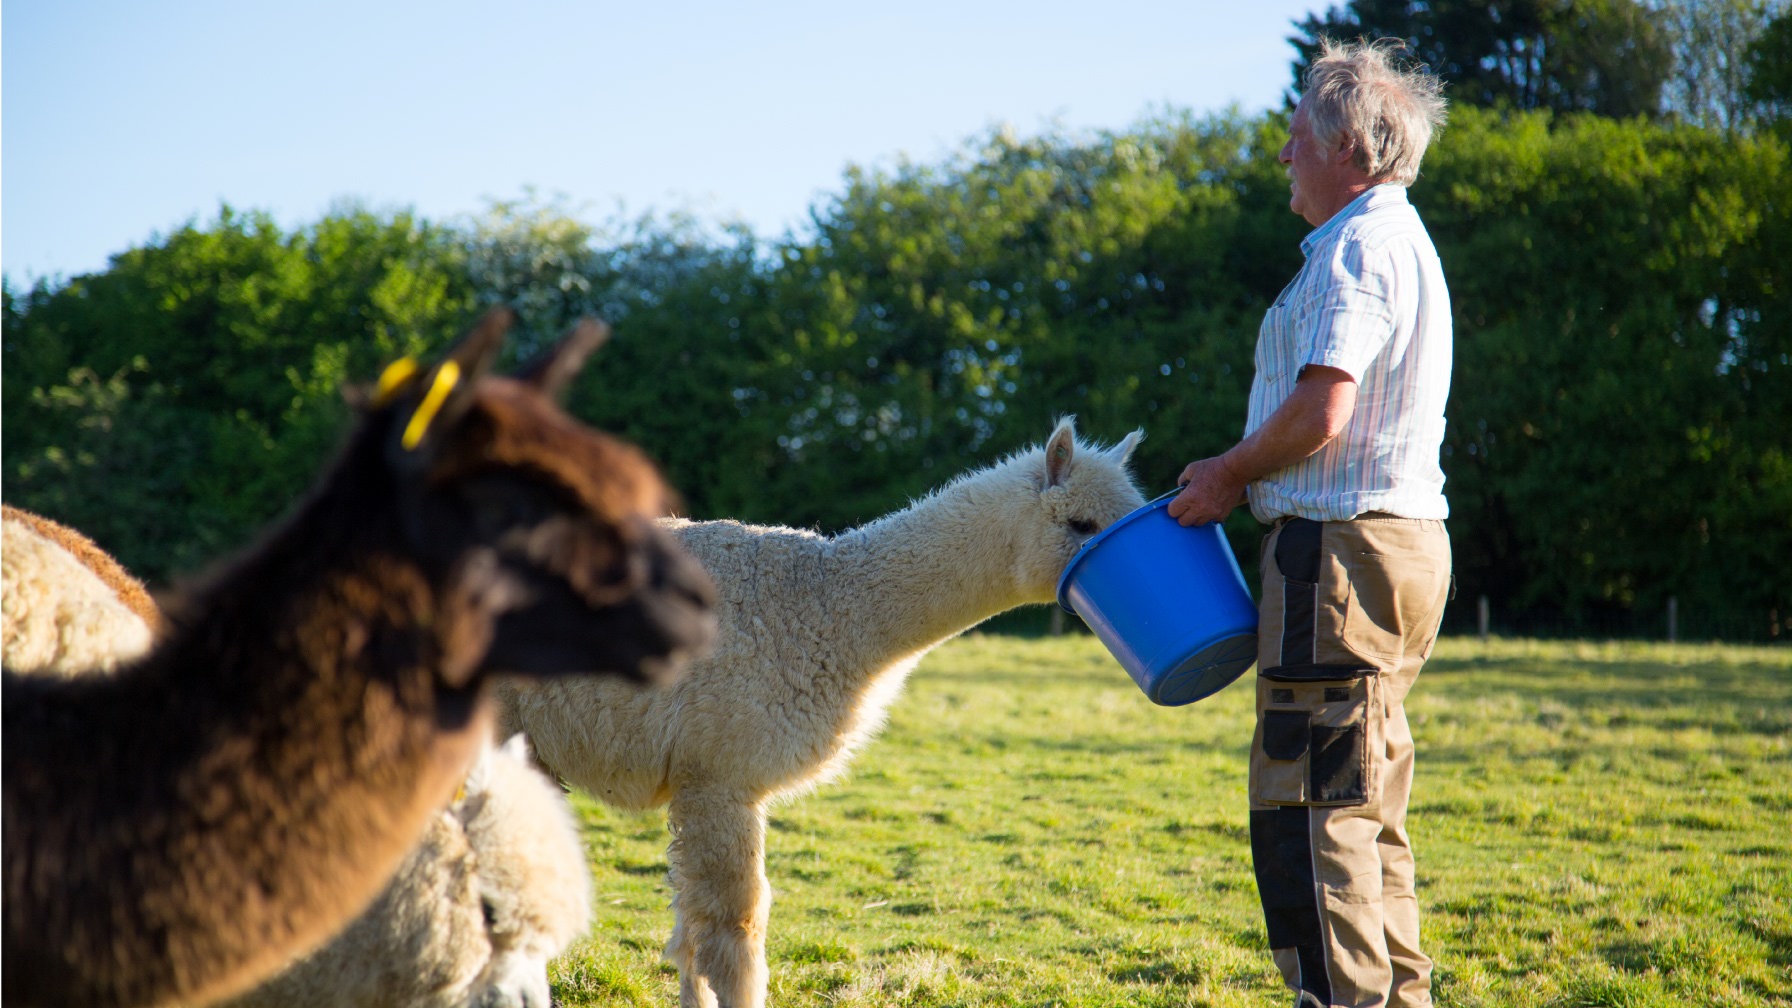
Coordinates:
(553, 369)
(475, 352)
(436, 398)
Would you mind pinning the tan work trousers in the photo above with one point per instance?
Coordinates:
(1349, 613)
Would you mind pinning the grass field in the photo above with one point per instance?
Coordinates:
(1596, 825)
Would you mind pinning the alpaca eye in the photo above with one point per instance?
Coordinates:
(1081, 526)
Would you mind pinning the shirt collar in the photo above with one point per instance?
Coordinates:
(1371, 198)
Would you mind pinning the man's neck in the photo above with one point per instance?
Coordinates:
(1343, 198)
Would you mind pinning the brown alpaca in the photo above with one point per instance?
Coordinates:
(179, 831)
(129, 590)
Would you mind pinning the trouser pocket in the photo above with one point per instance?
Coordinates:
(1318, 728)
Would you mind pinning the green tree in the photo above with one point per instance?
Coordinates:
(1610, 57)
(689, 374)
(1617, 428)
(1770, 68)
(189, 392)
(1715, 45)
(947, 313)
(1624, 362)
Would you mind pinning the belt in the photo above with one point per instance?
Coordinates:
(1372, 515)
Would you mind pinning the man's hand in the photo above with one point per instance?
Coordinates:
(1211, 488)
(1318, 408)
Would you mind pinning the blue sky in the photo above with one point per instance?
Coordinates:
(121, 120)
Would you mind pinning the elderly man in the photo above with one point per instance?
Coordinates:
(1340, 455)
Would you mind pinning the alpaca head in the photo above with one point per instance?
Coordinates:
(532, 518)
(534, 887)
(1071, 490)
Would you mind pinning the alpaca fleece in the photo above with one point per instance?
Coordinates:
(817, 636)
(123, 584)
(177, 831)
(497, 887)
(57, 616)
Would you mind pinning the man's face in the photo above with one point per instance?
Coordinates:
(1314, 175)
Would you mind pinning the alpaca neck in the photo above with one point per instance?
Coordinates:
(923, 574)
(283, 740)
(321, 650)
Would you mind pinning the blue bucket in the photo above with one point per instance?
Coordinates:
(1168, 601)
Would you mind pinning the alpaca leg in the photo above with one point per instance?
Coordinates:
(693, 990)
(721, 900)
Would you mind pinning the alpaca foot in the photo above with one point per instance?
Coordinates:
(694, 992)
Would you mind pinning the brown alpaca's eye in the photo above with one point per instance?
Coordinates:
(1081, 526)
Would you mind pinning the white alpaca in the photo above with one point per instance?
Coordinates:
(817, 636)
(57, 617)
(497, 887)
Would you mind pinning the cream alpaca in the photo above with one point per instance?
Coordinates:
(817, 636)
(56, 616)
(497, 887)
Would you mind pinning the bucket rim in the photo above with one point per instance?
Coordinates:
(1098, 538)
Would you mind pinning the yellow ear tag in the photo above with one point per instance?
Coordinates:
(396, 374)
(447, 376)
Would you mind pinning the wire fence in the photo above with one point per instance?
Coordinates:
(1477, 616)
(1670, 622)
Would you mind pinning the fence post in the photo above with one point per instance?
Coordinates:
(1673, 619)
(1481, 615)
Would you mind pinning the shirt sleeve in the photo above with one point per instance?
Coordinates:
(1350, 318)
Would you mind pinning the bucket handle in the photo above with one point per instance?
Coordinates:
(1173, 492)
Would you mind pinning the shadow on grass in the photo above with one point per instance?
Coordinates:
(1106, 672)
(1755, 698)
(1776, 935)
(1110, 746)
(1159, 974)
(654, 868)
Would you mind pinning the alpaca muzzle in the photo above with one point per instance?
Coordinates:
(639, 615)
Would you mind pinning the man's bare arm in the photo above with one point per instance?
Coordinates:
(1314, 413)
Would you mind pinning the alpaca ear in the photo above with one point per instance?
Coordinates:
(446, 390)
(1059, 451)
(479, 775)
(554, 368)
(516, 747)
(1122, 452)
(475, 352)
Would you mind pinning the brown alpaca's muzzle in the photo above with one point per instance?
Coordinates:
(623, 600)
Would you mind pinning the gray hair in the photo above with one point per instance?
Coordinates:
(1354, 92)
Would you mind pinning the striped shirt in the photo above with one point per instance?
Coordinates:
(1370, 301)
